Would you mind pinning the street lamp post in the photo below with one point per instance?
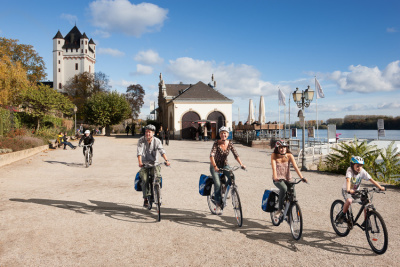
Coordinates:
(303, 99)
(75, 110)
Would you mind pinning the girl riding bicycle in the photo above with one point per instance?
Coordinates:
(354, 175)
(219, 159)
(280, 163)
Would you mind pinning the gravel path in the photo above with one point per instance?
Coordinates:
(55, 212)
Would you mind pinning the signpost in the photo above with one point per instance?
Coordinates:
(381, 128)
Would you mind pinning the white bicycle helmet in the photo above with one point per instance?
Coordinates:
(150, 127)
(357, 160)
(87, 132)
(280, 143)
(223, 129)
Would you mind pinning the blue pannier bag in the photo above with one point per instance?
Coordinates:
(205, 185)
(268, 201)
(138, 182)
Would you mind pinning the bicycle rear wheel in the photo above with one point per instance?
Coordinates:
(237, 206)
(87, 158)
(275, 221)
(340, 226)
(375, 230)
(211, 200)
(295, 220)
(157, 201)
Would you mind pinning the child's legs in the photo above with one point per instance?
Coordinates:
(348, 200)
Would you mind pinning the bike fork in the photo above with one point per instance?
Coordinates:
(226, 195)
(285, 211)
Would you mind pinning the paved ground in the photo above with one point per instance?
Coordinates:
(55, 212)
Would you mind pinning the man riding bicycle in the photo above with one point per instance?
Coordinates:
(147, 148)
(87, 139)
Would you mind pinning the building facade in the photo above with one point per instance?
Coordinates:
(72, 55)
(183, 107)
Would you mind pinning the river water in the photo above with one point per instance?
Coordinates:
(345, 134)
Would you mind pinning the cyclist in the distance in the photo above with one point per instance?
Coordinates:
(219, 159)
(147, 148)
(280, 163)
(87, 139)
(354, 175)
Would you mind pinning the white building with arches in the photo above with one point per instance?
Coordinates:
(180, 105)
(72, 55)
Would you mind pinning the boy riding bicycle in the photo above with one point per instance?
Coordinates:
(87, 139)
(147, 153)
(354, 175)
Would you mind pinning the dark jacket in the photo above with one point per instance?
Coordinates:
(87, 140)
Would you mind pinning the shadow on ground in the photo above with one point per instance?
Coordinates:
(77, 165)
(252, 228)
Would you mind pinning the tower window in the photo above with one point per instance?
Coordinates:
(59, 62)
(77, 50)
(59, 86)
(81, 50)
(59, 70)
(67, 49)
(85, 42)
(76, 66)
(58, 41)
(59, 53)
(81, 42)
(86, 51)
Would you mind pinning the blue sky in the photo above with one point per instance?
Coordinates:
(252, 48)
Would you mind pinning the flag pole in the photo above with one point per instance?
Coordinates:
(316, 103)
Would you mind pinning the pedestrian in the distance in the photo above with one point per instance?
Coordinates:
(127, 130)
(161, 135)
(167, 136)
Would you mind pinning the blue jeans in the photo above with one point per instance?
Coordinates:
(217, 182)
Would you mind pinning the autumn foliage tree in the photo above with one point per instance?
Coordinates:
(134, 95)
(26, 56)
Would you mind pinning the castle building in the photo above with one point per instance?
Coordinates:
(183, 107)
(72, 55)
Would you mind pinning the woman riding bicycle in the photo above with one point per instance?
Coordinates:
(280, 162)
(219, 159)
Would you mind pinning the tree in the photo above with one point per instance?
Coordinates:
(43, 100)
(135, 94)
(13, 81)
(106, 109)
(27, 56)
(83, 86)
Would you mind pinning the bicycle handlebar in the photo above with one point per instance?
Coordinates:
(231, 169)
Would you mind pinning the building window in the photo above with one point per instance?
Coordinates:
(59, 53)
(67, 50)
(86, 51)
(76, 66)
(59, 62)
(81, 42)
(77, 50)
(59, 86)
(82, 51)
(85, 42)
(59, 70)
(89, 69)
(58, 41)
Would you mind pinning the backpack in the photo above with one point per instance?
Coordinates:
(268, 201)
(205, 183)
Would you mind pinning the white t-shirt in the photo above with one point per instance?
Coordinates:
(355, 180)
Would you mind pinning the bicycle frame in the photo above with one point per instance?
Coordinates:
(364, 206)
(289, 198)
(228, 187)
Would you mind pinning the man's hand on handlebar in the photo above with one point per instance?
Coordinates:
(304, 180)
(166, 163)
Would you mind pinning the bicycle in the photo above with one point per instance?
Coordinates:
(292, 212)
(232, 188)
(374, 226)
(155, 189)
(88, 155)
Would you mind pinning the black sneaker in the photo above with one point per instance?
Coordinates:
(341, 217)
(145, 203)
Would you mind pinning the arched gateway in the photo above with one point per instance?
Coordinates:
(188, 127)
(220, 119)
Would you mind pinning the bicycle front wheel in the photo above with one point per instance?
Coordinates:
(375, 230)
(157, 202)
(90, 158)
(87, 158)
(295, 220)
(339, 225)
(212, 205)
(237, 206)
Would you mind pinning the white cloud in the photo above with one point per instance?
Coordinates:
(142, 70)
(366, 80)
(123, 16)
(111, 52)
(393, 105)
(232, 79)
(148, 57)
(121, 85)
(391, 30)
(72, 19)
(101, 33)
